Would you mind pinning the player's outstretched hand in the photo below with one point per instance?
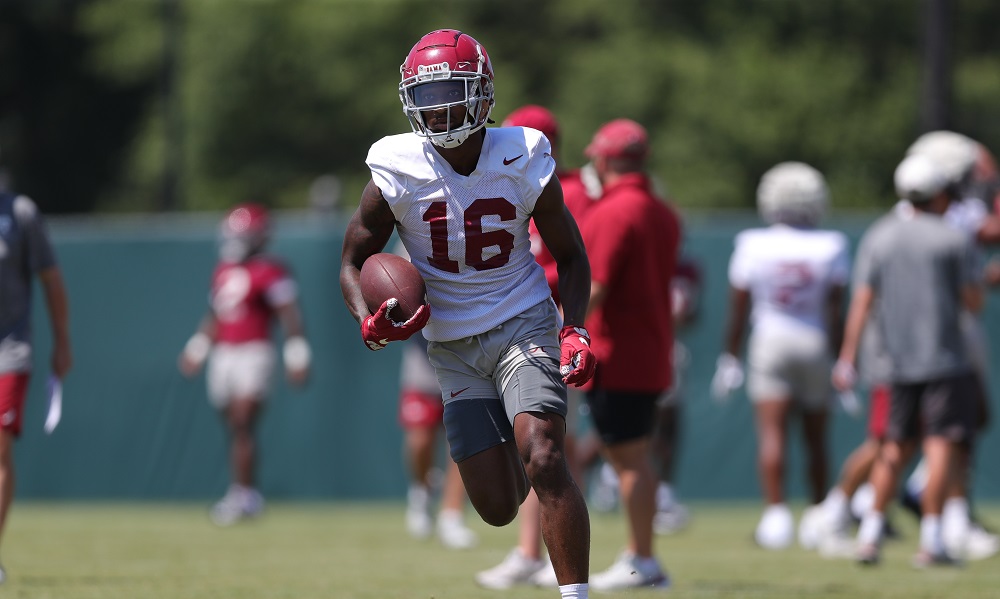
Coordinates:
(576, 362)
(379, 329)
(728, 377)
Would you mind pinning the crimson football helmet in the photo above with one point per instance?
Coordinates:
(245, 230)
(446, 87)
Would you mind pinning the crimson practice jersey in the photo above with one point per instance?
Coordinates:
(468, 236)
(244, 296)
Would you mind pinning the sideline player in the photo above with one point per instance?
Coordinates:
(525, 564)
(792, 276)
(249, 289)
(633, 239)
(27, 254)
(460, 196)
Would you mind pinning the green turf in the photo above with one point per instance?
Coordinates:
(338, 551)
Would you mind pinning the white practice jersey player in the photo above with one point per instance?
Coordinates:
(789, 272)
(468, 236)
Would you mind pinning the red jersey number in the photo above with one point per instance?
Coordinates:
(476, 240)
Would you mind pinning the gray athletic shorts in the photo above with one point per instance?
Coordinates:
(794, 365)
(488, 379)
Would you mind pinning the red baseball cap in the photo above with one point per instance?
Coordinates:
(536, 117)
(620, 138)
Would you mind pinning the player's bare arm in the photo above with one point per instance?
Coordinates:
(560, 234)
(296, 352)
(367, 233)
(58, 307)
(739, 314)
(197, 347)
(857, 317)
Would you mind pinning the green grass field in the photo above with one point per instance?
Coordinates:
(352, 551)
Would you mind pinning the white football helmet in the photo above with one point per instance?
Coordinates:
(793, 193)
(447, 70)
(919, 178)
(955, 154)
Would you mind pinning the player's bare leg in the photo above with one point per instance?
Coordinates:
(814, 433)
(241, 416)
(564, 520)
(892, 457)
(637, 484)
(776, 529)
(7, 480)
(451, 520)
(495, 482)
(419, 444)
(242, 499)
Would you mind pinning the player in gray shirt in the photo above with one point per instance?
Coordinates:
(25, 252)
(921, 272)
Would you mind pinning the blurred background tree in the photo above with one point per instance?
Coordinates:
(128, 105)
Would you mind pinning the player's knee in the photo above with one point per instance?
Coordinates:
(497, 512)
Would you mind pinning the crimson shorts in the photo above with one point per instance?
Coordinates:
(420, 410)
(878, 412)
(13, 390)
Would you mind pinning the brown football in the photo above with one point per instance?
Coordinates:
(387, 275)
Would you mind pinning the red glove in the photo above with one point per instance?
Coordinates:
(378, 329)
(576, 362)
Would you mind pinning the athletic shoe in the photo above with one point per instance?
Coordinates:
(546, 577)
(980, 543)
(670, 520)
(837, 545)
(868, 554)
(515, 569)
(238, 503)
(925, 559)
(776, 528)
(419, 523)
(813, 527)
(453, 532)
(631, 572)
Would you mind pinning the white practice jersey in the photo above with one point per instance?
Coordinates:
(789, 273)
(468, 236)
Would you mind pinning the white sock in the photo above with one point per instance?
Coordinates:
(418, 497)
(863, 500)
(573, 591)
(664, 497)
(870, 531)
(930, 534)
(835, 508)
(450, 517)
(956, 510)
(915, 484)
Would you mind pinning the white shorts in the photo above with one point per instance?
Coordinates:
(795, 365)
(239, 371)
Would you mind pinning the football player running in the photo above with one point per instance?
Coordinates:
(460, 197)
(249, 290)
(789, 279)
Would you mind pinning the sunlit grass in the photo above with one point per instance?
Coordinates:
(352, 551)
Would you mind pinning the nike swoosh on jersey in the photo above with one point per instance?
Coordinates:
(459, 392)
(507, 161)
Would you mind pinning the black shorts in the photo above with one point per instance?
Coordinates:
(941, 408)
(621, 416)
